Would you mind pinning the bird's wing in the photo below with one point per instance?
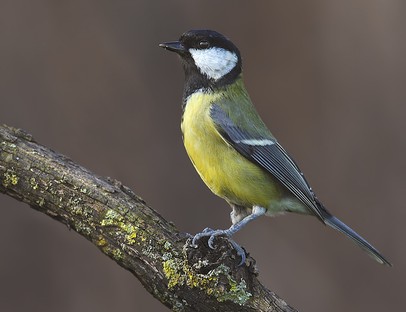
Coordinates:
(266, 152)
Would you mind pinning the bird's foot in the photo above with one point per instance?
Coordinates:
(212, 235)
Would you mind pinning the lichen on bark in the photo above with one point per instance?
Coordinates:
(127, 230)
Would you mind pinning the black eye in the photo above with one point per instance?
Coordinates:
(204, 44)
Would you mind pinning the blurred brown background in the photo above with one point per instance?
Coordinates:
(87, 79)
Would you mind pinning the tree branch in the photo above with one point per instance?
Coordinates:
(124, 228)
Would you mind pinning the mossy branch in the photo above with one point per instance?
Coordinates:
(124, 228)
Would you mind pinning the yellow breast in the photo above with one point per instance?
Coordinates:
(226, 172)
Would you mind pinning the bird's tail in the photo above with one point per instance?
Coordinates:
(343, 228)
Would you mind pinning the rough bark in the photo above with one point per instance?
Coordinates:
(124, 228)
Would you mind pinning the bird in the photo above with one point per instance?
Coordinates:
(232, 149)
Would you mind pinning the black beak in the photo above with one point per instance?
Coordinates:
(174, 46)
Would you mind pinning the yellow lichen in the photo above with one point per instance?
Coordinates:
(33, 183)
(117, 254)
(167, 245)
(133, 234)
(40, 202)
(172, 271)
(8, 157)
(83, 190)
(180, 273)
(10, 178)
(101, 242)
(111, 218)
(83, 228)
(130, 238)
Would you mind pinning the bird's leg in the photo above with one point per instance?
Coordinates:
(238, 213)
(256, 212)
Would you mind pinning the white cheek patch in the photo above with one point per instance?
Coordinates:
(215, 63)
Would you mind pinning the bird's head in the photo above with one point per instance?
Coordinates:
(210, 60)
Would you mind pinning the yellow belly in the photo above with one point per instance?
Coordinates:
(226, 172)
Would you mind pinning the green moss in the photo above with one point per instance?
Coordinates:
(179, 273)
(10, 178)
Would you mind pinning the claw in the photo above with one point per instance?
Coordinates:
(196, 238)
(240, 251)
(206, 232)
(257, 211)
(210, 241)
(212, 235)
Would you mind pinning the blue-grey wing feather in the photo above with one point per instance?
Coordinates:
(272, 157)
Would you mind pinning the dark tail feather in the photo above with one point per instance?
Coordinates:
(341, 227)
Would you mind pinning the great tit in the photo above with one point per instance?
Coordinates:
(232, 149)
